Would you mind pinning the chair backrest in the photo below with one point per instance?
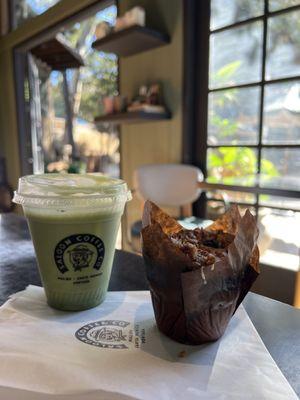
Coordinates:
(168, 184)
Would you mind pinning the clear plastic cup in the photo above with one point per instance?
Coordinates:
(73, 221)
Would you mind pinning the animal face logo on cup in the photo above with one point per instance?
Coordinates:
(80, 257)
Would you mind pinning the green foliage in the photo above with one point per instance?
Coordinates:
(98, 77)
(268, 168)
(223, 74)
(224, 125)
(57, 96)
(228, 70)
(232, 165)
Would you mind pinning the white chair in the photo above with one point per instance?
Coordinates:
(174, 185)
(167, 185)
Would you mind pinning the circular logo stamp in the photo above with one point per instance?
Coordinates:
(110, 334)
(77, 252)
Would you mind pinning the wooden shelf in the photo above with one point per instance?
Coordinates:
(58, 54)
(133, 40)
(132, 117)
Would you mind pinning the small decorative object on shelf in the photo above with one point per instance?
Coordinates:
(149, 99)
(135, 16)
(103, 29)
(120, 104)
(114, 104)
(147, 105)
(108, 104)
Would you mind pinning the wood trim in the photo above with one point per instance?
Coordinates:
(132, 117)
(195, 98)
(130, 41)
(4, 17)
(23, 120)
(189, 71)
(250, 189)
(62, 14)
(297, 290)
(9, 140)
(196, 64)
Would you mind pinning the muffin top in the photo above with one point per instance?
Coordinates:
(203, 247)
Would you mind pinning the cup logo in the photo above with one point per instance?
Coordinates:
(78, 252)
(80, 257)
(111, 334)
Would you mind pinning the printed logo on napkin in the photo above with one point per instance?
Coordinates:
(112, 334)
(78, 252)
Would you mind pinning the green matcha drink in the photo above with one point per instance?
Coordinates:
(73, 220)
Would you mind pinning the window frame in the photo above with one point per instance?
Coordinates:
(195, 108)
(20, 53)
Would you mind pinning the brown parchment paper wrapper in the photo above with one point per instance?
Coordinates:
(193, 304)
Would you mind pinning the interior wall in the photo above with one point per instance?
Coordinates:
(153, 142)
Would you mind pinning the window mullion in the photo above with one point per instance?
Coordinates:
(262, 94)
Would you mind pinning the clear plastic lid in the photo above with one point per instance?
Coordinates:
(70, 190)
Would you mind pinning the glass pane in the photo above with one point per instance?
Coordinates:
(275, 5)
(280, 168)
(215, 208)
(233, 116)
(282, 113)
(27, 9)
(243, 209)
(277, 201)
(227, 12)
(279, 238)
(232, 165)
(232, 197)
(283, 46)
(230, 67)
(96, 148)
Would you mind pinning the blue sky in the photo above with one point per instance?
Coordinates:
(108, 14)
(40, 6)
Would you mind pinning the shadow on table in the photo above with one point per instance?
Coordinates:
(159, 345)
(35, 306)
(14, 227)
(17, 394)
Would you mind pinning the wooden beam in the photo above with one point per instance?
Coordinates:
(58, 54)
(62, 11)
(4, 17)
(297, 291)
(69, 115)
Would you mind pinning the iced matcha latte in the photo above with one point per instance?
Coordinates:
(73, 220)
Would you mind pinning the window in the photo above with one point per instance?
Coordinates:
(61, 81)
(249, 105)
(22, 10)
(85, 146)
